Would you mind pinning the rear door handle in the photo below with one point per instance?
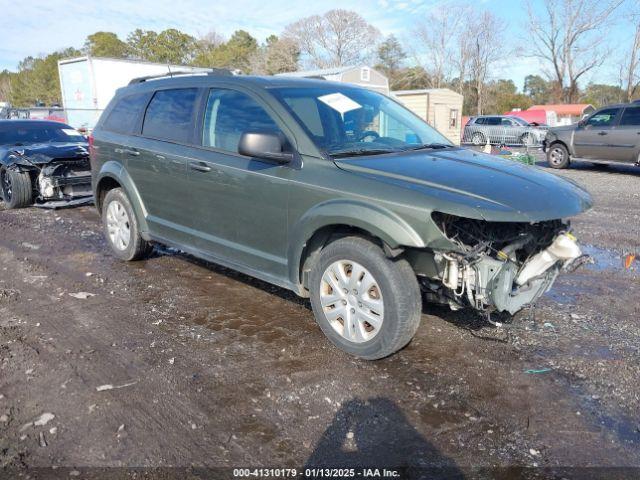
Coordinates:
(200, 167)
(602, 133)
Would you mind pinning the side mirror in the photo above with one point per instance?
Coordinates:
(582, 122)
(265, 145)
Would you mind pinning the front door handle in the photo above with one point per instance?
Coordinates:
(200, 167)
(602, 133)
(131, 151)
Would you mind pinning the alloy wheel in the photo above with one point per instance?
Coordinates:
(7, 188)
(118, 225)
(556, 156)
(352, 301)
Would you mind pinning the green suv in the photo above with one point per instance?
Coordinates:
(330, 190)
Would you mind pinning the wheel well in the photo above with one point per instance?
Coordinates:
(105, 185)
(556, 142)
(324, 236)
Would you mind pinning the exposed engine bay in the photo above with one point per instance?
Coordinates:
(60, 175)
(500, 266)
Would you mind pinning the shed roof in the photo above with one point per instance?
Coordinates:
(320, 72)
(575, 109)
(424, 90)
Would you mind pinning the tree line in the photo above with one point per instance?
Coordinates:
(457, 46)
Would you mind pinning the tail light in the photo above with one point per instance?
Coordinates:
(91, 150)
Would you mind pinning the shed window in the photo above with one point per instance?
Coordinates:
(365, 74)
(453, 118)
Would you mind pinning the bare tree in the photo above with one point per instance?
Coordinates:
(436, 42)
(483, 49)
(339, 37)
(630, 65)
(565, 37)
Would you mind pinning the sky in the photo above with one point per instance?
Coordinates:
(35, 27)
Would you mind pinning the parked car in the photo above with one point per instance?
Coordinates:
(611, 134)
(335, 192)
(43, 162)
(502, 129)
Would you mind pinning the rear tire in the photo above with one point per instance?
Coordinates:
(478, 139)
(378, 320)
(121, 227)
(17, 189)
(558, 156)
(527, 140)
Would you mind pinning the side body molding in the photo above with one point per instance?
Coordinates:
(117, 172)
(378, 221)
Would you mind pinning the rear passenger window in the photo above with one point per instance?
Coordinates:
(631, 116)
(124, 116)
(169, 115)
(229, 114)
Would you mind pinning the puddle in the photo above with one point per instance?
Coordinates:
(609, 260)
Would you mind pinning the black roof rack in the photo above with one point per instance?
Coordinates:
(170, 74)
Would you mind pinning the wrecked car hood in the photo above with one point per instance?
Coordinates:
(468, 183)
(43, 153)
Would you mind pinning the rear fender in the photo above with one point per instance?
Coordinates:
(117, 172)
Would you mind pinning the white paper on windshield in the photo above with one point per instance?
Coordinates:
(339, 102)
(71, 132)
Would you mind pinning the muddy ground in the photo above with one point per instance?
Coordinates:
(173, 362)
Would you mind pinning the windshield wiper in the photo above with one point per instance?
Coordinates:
(427, 146)
(360, 152)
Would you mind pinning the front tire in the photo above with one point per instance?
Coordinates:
(17, 189)
(478, 139)
(366, 304)
(527, 140)
(121, 227)
(558, 156)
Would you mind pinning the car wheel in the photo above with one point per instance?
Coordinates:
(17, 189)
(366, 304)
(558, 156)
(478, 139)
(121, 227)
(527, 140)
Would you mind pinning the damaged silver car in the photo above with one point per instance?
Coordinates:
(43, 163)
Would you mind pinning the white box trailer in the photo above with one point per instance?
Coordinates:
(88, 84)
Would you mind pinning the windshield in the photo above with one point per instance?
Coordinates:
(520, 121)
(353, 121)
(18, 133)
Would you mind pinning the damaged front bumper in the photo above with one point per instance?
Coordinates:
(63, 184)
(501, 271)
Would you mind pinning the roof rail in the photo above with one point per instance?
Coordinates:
(170, 74)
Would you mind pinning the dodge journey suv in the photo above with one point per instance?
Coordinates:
(333, 191)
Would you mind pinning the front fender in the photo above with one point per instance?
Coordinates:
(115, 171)
(378, 221)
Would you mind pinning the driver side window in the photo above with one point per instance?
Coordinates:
(603, 118)
(228, 115)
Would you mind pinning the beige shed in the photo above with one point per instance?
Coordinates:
(439, 107)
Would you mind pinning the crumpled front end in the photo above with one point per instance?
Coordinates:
(60, 174)
(64, 182)
(500, 266)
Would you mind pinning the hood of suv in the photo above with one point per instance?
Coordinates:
(468, 183)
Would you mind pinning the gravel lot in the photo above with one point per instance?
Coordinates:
(173, 362)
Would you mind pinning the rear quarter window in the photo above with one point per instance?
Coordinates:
(170, 115)
(631, 116)
(123, 118)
